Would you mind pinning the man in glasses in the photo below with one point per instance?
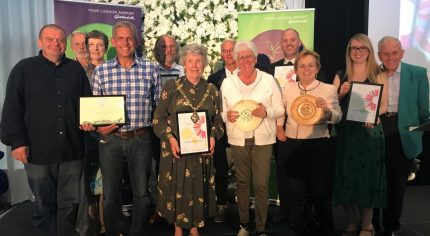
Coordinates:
(220, 156)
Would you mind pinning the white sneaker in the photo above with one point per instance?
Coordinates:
(243, 231)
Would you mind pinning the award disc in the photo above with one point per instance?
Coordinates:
(246, 121)
(304, 110)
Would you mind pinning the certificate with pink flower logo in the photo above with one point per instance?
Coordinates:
(193, 132)
(364, 102)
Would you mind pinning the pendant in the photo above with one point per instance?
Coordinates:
(302, 92)
(194, 117)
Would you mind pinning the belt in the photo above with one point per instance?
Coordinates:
(132, 133)
(390, 114)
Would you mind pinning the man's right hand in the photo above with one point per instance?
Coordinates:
(107, 129)
(21, 154)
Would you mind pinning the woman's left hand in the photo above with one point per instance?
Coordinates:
(321, 103)
(260, 111)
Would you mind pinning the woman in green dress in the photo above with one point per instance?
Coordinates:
(186, 190)
(360, 181)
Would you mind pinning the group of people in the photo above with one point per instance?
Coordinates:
(332, 161)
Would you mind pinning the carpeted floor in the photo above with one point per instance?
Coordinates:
(416, 219)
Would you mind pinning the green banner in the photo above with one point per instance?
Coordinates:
(265, 29)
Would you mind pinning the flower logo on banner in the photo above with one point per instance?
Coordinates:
(369, 99)
(207, 22)
(198, 127)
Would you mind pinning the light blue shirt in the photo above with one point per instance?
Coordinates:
(394, 90)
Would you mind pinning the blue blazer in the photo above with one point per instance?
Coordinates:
(413, 107)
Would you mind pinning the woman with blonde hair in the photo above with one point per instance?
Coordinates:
(360, 182)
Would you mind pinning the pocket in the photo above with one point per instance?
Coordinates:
(105, 139)
(145, 138)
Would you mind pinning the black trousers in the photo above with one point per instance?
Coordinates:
(221, 171)
(398, 167)
(305, 167)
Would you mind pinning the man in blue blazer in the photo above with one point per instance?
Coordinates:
(220, 156)
(408, 105)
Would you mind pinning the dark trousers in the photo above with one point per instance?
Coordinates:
(305, 167)
(136, 152)
(56, 189)
(398, 167)
(221, 171)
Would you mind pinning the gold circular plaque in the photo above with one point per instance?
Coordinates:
(304, 110)
(246, 121)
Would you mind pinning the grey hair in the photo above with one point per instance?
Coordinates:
(228, 41)
(193, 48)
(386, 39)
(243, 45)
(125, 24)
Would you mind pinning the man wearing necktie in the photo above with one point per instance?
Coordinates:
(291, 45)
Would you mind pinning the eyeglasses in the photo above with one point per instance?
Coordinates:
(225, 51)
(358, 49)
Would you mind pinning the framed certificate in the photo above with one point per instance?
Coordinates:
(102, 110)
(364, 101)
(165, 78)
(284, 74)
(193, 135)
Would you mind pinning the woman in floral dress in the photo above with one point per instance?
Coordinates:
(186, 187)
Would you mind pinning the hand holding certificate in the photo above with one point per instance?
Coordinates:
(193, 133)
(102, 110)
(364, 102)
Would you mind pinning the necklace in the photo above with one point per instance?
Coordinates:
(303, 91)
(194, 117)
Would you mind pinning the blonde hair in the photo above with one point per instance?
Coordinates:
(372, 68)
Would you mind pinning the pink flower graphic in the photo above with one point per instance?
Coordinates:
(290, 75)
(198, 127)
(368, 98)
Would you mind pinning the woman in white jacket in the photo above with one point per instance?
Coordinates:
(251, 150)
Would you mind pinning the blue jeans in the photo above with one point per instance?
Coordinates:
(136, 152)
(56, 189)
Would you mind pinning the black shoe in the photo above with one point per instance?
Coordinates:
(278, 217)
(392, 233)
(260, 233)
(220, 215)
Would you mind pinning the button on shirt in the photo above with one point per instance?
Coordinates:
(40, 109)
(140, 84)
(394, 90)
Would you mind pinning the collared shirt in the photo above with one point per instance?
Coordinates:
(394, 90)
(40, 109)
(292, 61)
(140, 84)
(229, 74)
(175, 69)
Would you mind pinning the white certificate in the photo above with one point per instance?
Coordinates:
(364, 102)
(193, 135)
(102, 110)
(284, 74)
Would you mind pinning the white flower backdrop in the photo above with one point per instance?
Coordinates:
(206, 22)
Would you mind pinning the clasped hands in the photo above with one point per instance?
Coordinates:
(260, 111)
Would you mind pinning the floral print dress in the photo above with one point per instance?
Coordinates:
(186, 187)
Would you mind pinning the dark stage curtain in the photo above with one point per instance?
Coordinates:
(336, 21)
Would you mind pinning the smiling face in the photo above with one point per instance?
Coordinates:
(124, 42)
(193, 66)
(358, 52)
(96, 48)
(246, 61)
(390, 53)
(291, 43)
(306, 69)
(52, 42)
(227, 53)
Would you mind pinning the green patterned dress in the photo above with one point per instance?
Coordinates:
(186, 187)
(360, 177)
